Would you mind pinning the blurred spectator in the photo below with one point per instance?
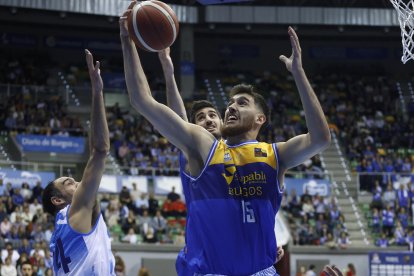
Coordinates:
(330, 242)
(399, 234)
(38, 234)
(8, 269)
(25, 247)
(125, 197)
(382, 241)
(2, 187)
(141, 203)
(10, 251)
(111, 215)
(131, 237)
(135, 193)
(49, 272)
(351, 270)
(402, 197)
(375, 223)
(129, 222)
(27, 269)
(41, 267)
(143, 272)
(119, 266)
(311, 271)
(26, 192)
(159, 223)
(48, 258)
(150, 236)
(377, 196)
(307, 208)
(144, 222)
(5, 227)
(17, 197)
(3, 211)
(37, 192)
(343, 240)
(173, 196)
(388, 217)
(35, 206)
(153, 204)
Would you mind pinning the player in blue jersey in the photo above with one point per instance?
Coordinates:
(235, 189)
(80, 243)
(202, 113)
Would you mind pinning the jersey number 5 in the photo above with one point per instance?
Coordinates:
(248, 213)
(60, 259)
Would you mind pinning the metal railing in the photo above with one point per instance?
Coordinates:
(366, 180)
(57, 168)
(112, 169)
(39, 92)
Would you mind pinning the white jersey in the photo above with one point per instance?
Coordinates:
(75, 253)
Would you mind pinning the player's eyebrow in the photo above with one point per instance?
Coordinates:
(243, 98)
(63, 183)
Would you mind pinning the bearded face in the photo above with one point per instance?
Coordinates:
(240, 116)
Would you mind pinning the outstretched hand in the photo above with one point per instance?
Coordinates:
(332, 271)
(166, 61)
(94, 72)
(294, 62)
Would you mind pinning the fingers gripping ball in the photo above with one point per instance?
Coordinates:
(152, 25)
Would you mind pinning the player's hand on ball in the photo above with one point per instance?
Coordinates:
(294, 62)
(166, 61)
(164, 54)
(123, 22)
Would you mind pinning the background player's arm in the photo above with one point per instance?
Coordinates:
(84, 206)
(302, 147)
(174, 100)
(191, 139)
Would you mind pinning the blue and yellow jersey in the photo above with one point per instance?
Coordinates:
(232, 208)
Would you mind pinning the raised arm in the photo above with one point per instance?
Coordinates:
(300, 148)
(84, 207)
(174, 100)
(189, 138)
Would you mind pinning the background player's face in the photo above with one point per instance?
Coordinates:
(27, 270)
(240, 116)
(209, 119)
(67, 186)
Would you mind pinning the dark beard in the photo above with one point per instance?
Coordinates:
(231, 131)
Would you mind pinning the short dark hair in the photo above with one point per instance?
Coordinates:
(49, 192)
(197, 105)
(258, 99)
(27, 263)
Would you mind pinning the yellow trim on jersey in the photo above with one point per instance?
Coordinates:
(244, 154)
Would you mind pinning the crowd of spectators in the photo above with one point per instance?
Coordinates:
(391, 214)
(135, 217)
(25, 230)
(131, 216)
(366, 114)
(362, 111)
(315, 220)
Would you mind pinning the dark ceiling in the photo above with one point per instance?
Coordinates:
(314, 3)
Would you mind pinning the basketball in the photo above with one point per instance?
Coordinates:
(152, 25)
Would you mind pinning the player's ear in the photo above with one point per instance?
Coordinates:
(260, 119)
(57, 200)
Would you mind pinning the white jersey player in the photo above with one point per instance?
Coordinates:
(80, 243)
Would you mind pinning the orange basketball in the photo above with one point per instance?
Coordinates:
(152, 25)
